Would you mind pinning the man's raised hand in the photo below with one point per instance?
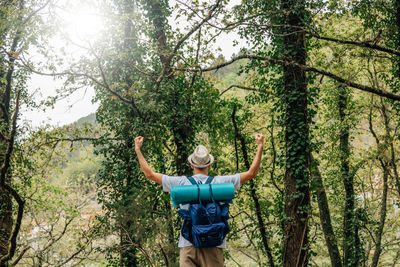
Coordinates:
(255, 166)
(148, 172)
(138, 142)
(259, 139)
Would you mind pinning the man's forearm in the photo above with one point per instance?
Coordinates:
(255, 165)
(143, 163)
(148, 172)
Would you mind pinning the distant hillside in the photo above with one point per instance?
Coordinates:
(91, 119)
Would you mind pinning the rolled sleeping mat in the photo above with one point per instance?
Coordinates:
(187, 194)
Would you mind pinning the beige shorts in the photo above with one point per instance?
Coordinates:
(201, 257)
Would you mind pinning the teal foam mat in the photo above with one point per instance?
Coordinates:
(186, 194)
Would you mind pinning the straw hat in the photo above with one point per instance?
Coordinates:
(200, 157)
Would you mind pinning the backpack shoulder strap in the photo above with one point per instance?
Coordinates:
(192, 180)
(209, 180)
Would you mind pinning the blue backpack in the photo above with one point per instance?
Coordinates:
(205, 225)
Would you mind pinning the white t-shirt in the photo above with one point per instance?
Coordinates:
(169, 181)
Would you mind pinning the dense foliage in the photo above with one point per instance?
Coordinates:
(319, 79)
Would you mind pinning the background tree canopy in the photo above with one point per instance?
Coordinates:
(319, 79)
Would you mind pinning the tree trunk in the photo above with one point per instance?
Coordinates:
(129, 257)
(172, 252)
(349, 221)
(397, 7)
(393, 157)
(382, 213)
(396, 71)
(325, 217)
(386, 171)
(394, 166)
(128, 252)
(294, 100)
(384, 164)
(182, 153)
(6, 220)
(253, 193)
(181, 126)
(128, 234)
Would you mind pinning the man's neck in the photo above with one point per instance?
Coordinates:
(204, 172)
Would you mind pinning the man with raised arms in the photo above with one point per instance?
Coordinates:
(200, 161)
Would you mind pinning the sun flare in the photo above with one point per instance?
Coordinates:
(82, 22)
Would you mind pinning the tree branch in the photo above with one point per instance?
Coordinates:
(24, 250)
(361, 87)
(107, 86)
(73, 255)
(349, 83)
(238, 86)
(366, 44)
(272, 173)
(103, 84)
(195, 28)
(166, 60)
(35, 12)
(60, 235)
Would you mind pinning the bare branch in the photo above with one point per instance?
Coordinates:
(106, 85)
(55, 240)
(366, 44)
(77, 74)
(166, 60)
(349, 83)
(72, 256)
(151, 75)
(24, 250)
(234, 59)
(238, 86)
(311, 32)
(108, 88)
(54, 141)
(103, 84)
(273, 147)
(361, 87)
(35, 12)
(195, 28)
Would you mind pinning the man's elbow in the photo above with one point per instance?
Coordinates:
(247, 176)
(252, 174)
(149, 175)
(155, 177)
